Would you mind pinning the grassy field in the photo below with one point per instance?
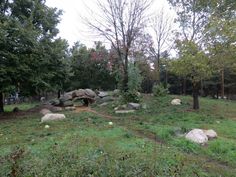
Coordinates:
(145, 143)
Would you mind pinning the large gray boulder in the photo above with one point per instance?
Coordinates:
(52, 117)
(197, 136)
(67, 103)
(55, 102)
(66, 97)
(90, 93)
(78, 93)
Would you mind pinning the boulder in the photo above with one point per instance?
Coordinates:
(124, 111)
(211, 134)
(197, 136)
(56, 109)
(102, 94)
(70, 108)
(45, 111)
(55, 102)
(67, 103)
(116, 92)
(90, 93)
(66, 97)
(52, 117)
(134, 106)
(78, 93)
(176, 102)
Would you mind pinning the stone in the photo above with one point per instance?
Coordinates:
(102, 94)
(176, 102)
(116, 92)
(67, 103)
(78, 93)
(134, 106)
(103, 104)
(46, 126)
(124, 111)
(70, 108)
(197, 136)
(66, 97)
(90, 93)
(55, 102)
(107, 99)
(45, 111)
(110, 123)
(211, 134)
(52, 117)
(56, 109)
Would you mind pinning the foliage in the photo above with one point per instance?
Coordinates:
(135, 78)
(121, 23)
(131, 96)
(160, 90)
(91, 68)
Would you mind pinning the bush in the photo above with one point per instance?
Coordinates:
(160, 90)
(131, 96)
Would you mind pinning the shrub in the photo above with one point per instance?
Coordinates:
(160, 90)
(131, 96)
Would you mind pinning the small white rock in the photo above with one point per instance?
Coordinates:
(176, 102)
(110, 123)
(47, 126)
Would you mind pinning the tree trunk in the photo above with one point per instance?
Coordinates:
(126, 75)
(222, 83)
(158, 68)
(202, 91)
(184, 86)
(58, 93)
(166, 78)
(195, 96)
(1, 103)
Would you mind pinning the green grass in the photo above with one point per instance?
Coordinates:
(146, 143)
(21, 106)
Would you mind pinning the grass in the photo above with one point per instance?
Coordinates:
(21, 106)
(147, 143)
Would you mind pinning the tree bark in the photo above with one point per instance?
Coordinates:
(222, 83)
(126, 74)
(195, 96)
(1, 103)
(184, 86)
(58, 93)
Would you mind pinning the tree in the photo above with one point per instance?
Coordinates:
(192, 64)
(120, 22)
(28, 31)
(162, 28)
(91, 67)
(220, 38)
(192, 18)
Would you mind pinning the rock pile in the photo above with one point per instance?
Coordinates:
(67, 100)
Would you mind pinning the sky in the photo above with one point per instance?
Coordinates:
(72, 27)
